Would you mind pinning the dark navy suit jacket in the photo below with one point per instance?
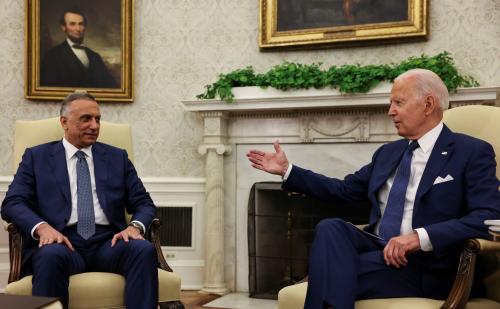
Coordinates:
(60, 67)
(450, 211)
(40, 190)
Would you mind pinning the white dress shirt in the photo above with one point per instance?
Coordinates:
(419, 161)
(71, 160)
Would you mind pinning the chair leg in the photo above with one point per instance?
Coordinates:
(171, 305)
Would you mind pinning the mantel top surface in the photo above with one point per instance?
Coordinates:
(257, 99)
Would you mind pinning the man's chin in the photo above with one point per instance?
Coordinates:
(90, 141)
(75, 40)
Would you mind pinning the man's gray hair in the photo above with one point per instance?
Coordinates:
(73, 97)
(428, 83)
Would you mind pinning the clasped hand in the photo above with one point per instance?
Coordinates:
(398, 247)
(48, 235)
(129, 233)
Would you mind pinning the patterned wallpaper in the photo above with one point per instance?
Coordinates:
(182, 45)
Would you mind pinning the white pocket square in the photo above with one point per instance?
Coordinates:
(440, 179)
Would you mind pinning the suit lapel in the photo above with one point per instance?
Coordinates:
(440, 153)
(388, 163)
(101, 172)
(60, 168)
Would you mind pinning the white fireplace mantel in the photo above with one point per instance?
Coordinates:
(357, 123)
(270, 99)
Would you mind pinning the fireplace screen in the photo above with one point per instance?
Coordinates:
(280, 233)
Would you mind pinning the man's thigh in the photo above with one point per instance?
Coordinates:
(121, 256)
(377, 280)
(57, 256)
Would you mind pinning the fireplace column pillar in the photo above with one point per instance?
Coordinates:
(214, 147)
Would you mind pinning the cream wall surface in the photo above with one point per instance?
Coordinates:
(182, 45)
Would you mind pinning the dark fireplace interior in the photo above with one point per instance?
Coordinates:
(280, 233)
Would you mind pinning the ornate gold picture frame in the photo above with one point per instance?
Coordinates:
(319, 23)
(79, 45)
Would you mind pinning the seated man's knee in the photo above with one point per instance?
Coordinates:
(142, 247)
(51, 254)
(330, 223)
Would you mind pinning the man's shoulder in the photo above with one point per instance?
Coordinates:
(99, 146)
(464, 139)
(45, 146)
(58, 48)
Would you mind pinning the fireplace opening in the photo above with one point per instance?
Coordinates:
(280, 233)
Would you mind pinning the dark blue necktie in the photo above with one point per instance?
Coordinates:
(85, 203)
(390, 225)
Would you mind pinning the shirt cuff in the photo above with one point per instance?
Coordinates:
(34, 228)
(140, 223)
(288, 171)
(425, 242)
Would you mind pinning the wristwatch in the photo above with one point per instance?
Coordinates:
(137, 226)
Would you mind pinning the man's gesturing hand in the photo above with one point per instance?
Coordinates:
(48, 235)
(274, 163)
(129, 233)
(398, 247)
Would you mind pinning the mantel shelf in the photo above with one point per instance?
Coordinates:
(257, 99)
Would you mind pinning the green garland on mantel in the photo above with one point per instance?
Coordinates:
(347, 78)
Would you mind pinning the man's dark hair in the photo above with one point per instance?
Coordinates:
(73, 97)
(77, 11)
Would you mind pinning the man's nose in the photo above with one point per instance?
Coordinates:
(94, 124)
(391, 111)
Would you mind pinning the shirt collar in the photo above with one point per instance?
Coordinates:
(427, 141)
(71, 149)
(71, 43)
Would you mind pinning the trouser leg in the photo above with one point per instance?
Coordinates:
(377, 280)
(136, 261)
(334, 263)
(52, 266)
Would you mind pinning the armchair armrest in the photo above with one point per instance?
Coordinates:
(153, 235)
(15, 251)
(459, 294)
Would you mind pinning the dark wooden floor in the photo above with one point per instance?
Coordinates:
(196, 300)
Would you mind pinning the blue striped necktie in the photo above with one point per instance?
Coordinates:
(390, 225)
(85, 203)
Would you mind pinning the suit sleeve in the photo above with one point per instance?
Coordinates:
(482, 201)
(353, 188)
(139, 202)
(19, 204)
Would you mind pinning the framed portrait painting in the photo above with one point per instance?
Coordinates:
(316, 23)
(79, 45)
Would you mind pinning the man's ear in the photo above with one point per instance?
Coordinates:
(64, 122)
(430, 104)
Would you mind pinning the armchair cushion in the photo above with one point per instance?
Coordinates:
(293, 297)
(106, 289)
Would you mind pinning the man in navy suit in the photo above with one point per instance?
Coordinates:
(71, 64)
(46, 202)
(450, 189)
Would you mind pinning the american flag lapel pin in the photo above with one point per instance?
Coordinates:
(444, 153)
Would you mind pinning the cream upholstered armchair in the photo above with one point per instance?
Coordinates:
(91, 289)
(482, 122)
